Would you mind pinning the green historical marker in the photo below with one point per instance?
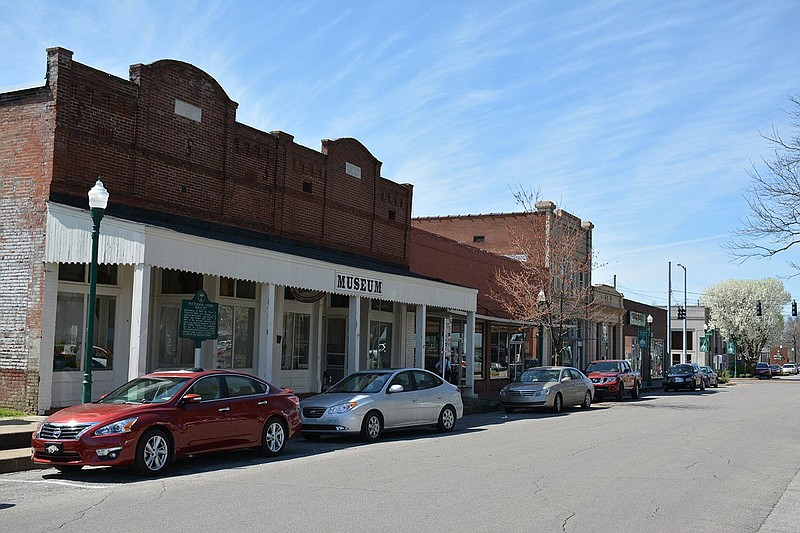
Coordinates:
(199, 321)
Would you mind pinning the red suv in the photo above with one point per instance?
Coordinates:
(156, 418)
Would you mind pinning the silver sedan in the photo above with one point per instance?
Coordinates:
(372, 401)
(551, 387)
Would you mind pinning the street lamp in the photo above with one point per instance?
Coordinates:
(684, 313)
(98, 199)
(650, 350)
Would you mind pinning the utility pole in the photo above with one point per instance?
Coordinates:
(685, 310)
(666, 363)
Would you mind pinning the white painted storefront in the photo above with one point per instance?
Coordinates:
(293, 320)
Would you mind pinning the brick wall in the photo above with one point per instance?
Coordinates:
(26, 133)
(200, 163)
(495, 229)
(439, 257)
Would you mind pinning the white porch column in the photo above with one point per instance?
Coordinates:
(315, 348)
(353, 335)
(50, 302)
(469, 388)
(140, 321)
(266, 337)
(419, 337)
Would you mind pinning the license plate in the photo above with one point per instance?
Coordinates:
(53, 448)
(678, 380)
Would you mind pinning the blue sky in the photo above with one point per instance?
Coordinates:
(640, 116)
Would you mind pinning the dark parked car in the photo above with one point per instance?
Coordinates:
(158, 417)
(710, 376)
(777, 370)
(684, 376)
(763, 371)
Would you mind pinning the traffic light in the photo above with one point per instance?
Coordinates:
(758, 308)
(794, 308)
(681, 313)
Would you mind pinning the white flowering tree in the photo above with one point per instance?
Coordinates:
(733, 313)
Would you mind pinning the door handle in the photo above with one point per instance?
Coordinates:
(224, 409)
(413, 399)
(263, 402)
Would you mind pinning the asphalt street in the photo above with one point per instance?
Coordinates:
(721, 460)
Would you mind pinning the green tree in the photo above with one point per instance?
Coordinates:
(733, 312)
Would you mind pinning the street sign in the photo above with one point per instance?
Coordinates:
(731, 348)
(643, 338)
(704, 344)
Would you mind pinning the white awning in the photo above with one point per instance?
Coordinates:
(124, 242)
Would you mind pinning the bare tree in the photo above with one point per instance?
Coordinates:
(773, 223)
(552, 286)
(791, 335)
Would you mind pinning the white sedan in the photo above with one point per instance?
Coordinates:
(372, 401)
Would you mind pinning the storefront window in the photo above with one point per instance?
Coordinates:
(173, 351)
(499, 341)
(69, 332)
(478, 350)
(433, 342)
(68, 351)
(296, 341)
(380, 345)
(236, 337)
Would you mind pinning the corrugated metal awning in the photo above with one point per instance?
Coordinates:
(128, 243)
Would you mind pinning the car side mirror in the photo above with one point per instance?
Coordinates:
(395, 388)
(192, 398)
(564, 380)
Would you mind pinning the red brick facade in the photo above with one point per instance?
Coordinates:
(439, 257)
(491, 232)
(167, 142)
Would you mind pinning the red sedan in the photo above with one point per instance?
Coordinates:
(156, 418)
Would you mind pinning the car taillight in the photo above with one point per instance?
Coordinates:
(294, 399)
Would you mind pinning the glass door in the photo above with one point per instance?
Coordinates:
(335, 351)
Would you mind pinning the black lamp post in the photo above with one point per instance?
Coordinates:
(98, 199)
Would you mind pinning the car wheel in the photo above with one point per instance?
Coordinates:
(666, 389)
(702, 385)
(635, 391)
(447, 419)
(587, 400)
(693, 386)
(509, 409)
(153, 453)
(372, 427)
(273, 438)
(558, 403)
(68, 469)
(311, 437)
(620, 392)
(716, 384)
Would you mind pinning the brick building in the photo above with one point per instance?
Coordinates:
(501, 345)
(499, 233)
(306, 252)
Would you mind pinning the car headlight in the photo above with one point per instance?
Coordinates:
(611, 380)
(503, 392)
(342, 408)
(543, 392)
(116, 428)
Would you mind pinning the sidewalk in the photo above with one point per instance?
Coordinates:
(15, 443)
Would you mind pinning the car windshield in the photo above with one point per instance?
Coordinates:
(367, 382)
(146, 390)
(539, 375)
(602, 366)
(762, 365)
(682, 369)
